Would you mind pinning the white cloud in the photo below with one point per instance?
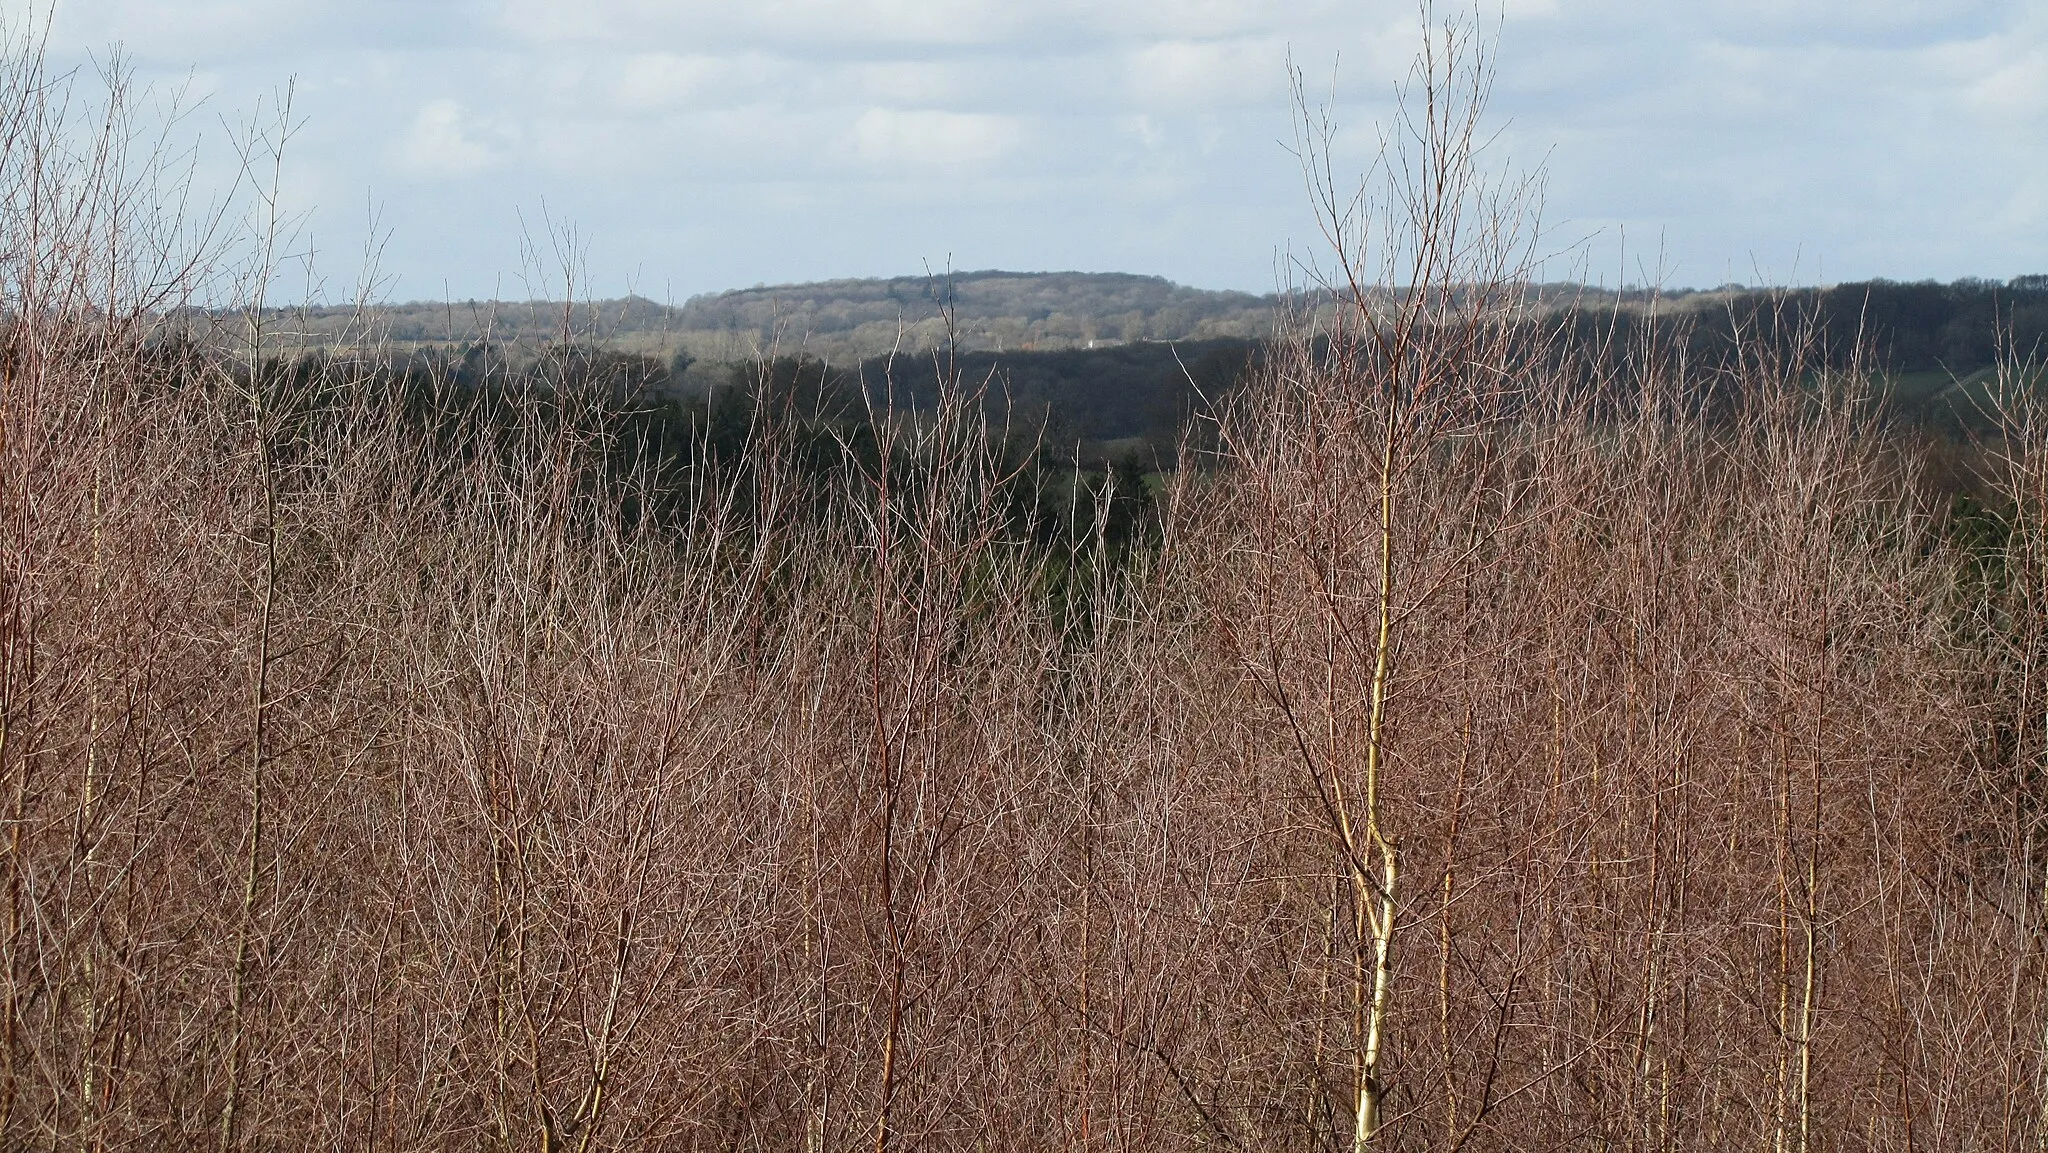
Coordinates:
(913, 83)
(658, 82)
(803, 25)
(717, 142)
(860, 28)
(1184, 74)
(1806, 23)
(179, 33)
(2009, 86)
(444, 142)
(930, 140)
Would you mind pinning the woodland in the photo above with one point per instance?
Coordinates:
(1492, 727)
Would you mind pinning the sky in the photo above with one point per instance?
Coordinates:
(490, 148)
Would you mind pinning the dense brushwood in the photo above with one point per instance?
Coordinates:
(453, 762)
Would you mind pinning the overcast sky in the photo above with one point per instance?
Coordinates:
(698, 145)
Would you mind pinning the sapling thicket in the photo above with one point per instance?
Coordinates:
(1418, 362)
(1503, 739)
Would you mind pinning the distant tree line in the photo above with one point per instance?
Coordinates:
(1131, 407)
(1917, 326)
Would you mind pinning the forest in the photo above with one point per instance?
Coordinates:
(1919, 326)
(841, 321)
(1932, 348)
(1496, 726)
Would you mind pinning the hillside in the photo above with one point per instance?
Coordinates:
(1120, 360)
(991, 311)
(842, 320)
(1918, 326)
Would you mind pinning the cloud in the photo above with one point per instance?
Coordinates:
(718, 142)
(191, 32)
(656, 82)
(863, 28)
(1867, 23)
(2008, 85)
(924, 139)
(677, 83)
(1185, 74)
(444, 142)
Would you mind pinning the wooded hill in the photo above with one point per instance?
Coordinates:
(1114, 364)
(1920, 325)
(840, 320)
